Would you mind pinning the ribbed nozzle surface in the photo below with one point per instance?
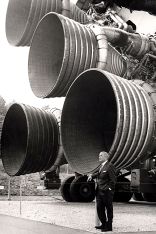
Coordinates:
(29, 140)
(60, 50)
(105, 112)
(23, 16)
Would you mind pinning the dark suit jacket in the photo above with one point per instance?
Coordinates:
(106, 177)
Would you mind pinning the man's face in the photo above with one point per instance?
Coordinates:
(103, 157)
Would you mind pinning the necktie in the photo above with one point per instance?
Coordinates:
(101, 168)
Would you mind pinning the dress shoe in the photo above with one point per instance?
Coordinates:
(108, 228)
(101, 226)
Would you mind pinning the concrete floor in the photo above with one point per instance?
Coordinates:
(128, 217)
(14, 225)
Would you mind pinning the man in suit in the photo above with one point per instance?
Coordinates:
(106, 179)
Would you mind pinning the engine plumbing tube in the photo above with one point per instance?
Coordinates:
(30, 140)
(61, 49)
(23, 16)
(103, 111)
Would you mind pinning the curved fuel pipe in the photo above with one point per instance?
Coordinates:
(70, 49)
(30, 140)
(105, 112)
(23, 16)
(135, 44)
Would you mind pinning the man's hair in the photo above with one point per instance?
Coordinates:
(105, 153)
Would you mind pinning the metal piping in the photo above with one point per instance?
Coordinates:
(121, 23)
(30, 140)
(23, 16)
(105, 112)
(134, 44)
(124, 25)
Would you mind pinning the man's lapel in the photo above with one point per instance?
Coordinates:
(103, 167)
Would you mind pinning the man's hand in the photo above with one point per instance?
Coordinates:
(89, 177)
